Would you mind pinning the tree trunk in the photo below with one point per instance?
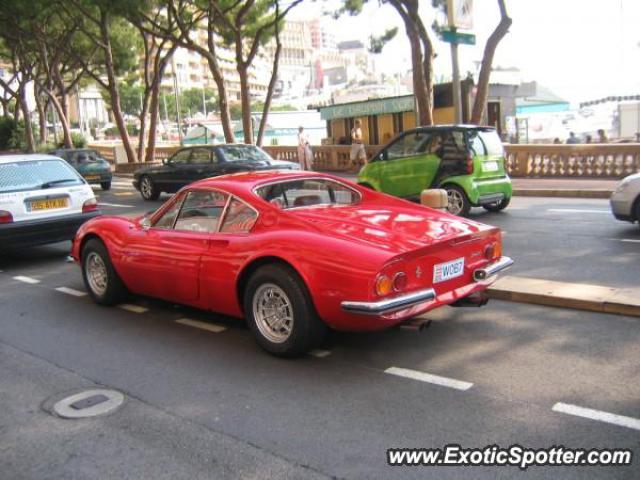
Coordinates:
(245, 97)
(28, 128)
(113, 90)
(154, 110)
(62, 117)
(42, 117)
(482, 91)
(143, 124)
(272, 82)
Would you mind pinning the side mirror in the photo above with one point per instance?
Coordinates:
(145, 222)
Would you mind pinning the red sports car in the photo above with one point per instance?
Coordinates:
(293, 253)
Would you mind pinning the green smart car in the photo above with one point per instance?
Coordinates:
(467, 161)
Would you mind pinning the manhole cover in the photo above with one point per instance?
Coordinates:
(87, 403)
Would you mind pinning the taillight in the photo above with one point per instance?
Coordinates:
(493, 251)
(469, 164)
(399, 281)
(384, 285)
(5, 217)
(90, 205)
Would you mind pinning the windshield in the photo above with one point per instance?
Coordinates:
(308, 192)
(243, 153)
(36, 175)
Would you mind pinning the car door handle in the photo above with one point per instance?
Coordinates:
(219, 243)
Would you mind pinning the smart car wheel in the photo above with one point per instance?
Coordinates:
(496, 207)
(105, 185)
(148, 189)
(280, 312)
(458, 201)
(100, 278)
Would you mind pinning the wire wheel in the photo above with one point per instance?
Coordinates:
(96, 272)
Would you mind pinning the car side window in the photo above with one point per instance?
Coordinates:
(201, 156)
(167, 220)
(408, 145)
(180, 158)
(201, 211)
(239, 218)
(476, 145)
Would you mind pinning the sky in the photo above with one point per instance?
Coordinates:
(581, 49)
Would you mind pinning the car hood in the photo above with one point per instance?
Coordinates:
(398, 230)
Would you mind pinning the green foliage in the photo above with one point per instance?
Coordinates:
(8, 127)
(78, 140)
(376, 44)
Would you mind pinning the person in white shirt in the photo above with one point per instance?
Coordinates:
(358, 154)
(305, 155)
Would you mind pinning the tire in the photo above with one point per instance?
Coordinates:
(498, 206)
(148, 189)
(106, 185)
(637, 210)
(283, 286)
(458, 202)
(100, 278)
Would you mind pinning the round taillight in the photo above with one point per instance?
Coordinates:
(384, 285)
(490, 251)
(399, 281)
(5, 217)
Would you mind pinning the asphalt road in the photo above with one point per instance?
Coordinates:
(202, 404)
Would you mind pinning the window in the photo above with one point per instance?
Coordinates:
(201, 155)
(36, 175)
(169, 217)
(477, 147)
(201, 211)
(408, 145)
(180, 157)
(306, 193)
(239, 218)
(243, 153)
(492, 142)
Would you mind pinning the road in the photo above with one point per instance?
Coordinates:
(207, 403)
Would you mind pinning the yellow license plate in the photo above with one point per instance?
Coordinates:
(49, 204)
(92, 177)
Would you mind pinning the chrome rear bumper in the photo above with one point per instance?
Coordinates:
(492, 269)
(389, 305)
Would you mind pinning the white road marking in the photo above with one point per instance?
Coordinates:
(629, 240)
(29, 280)
(71, 291)
(121, 184)
(105, 204)
(319, 353)
(598, 415)
(132, 308)
(576, 210)
(211, 327)
(123, 194)
(428, 377)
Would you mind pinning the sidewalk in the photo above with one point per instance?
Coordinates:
(563, 187)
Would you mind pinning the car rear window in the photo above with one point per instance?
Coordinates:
(491, 141)
(243, 153)
(36, 175)
(307, 193)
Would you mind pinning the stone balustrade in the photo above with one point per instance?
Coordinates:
(614, 160)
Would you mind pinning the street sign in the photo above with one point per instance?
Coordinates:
(451, 36)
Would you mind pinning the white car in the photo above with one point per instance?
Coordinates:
(42, 200)
(625, 200)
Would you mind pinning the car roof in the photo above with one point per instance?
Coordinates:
(217, 145)
(245, 182)
(26, 157)
(485, 128)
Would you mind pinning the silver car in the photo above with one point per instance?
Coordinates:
(625, 201)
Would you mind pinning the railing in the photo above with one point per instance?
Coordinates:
(613, 160)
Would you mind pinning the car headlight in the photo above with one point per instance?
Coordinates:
(622, 186)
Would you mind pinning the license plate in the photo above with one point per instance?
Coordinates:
(490, 166)
(92, 177)
(448, 270)
(50, 204)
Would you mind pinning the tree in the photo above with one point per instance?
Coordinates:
(422, 53)
(494, 39)
(103, 25)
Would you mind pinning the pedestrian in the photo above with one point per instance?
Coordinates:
(588, 139)
(358, 153)
(305, 155)
(556, 141)
(572, 139)
(602, 136)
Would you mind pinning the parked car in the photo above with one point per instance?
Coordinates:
(42, 200)
(89, 163)
(625, 200)
(467, 161)
(294, 253)
(195, 163)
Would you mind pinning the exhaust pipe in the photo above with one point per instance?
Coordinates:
(478, 299)
(418, 324)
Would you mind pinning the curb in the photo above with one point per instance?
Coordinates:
(563, 193)
(577, 296)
